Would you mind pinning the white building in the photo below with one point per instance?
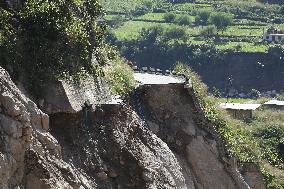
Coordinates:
(239, 111)
(275, 104)
(273, 35)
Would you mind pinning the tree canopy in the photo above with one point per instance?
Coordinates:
(221, 20)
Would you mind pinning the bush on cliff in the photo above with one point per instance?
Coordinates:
(119, 77)
(48, 38)
(257, 146)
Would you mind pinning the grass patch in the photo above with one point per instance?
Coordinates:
(234, 100)
(152, 17)
(245, 30)
(191, 8)
(256, 141)
(119, 77)
(131, 29)
(244, 46)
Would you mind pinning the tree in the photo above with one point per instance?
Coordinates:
(116, 21)
(184, 20)
(216, 92)
(202, 17)
(209, 31)
(254, 94)
(176, 33)
(169, 17)
(144, 8)
(152, 33)
(221, 20)
(51, 39)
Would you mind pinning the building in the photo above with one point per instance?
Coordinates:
(275, 104)
(273, 35)
(239, 111)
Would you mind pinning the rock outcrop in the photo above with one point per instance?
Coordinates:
(30, 155)
(174, 114)
(164, 145)
(69, 95)
(116, 149)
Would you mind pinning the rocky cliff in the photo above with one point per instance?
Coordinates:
(156, 138)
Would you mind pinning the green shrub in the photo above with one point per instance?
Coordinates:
(216, 92)
(254, 94)
(221, 20)
(116, 21)
(184, 20)
(169, 17)
(176, 33)
(280, 97)
(51, 39)
(208, 31)
(256, 142)
(144, 8)
(202, 17)
(151, 34)
(120, 77)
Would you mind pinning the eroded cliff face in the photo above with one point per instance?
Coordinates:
(30, 155)
(116, 150)
(174, 114)
(157, 138)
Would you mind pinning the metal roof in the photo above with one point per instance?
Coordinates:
(238, 106)
(153, 79)
(275, 102)
(276, 34)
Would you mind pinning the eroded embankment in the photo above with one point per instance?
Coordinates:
(173, 113)
(113, 148)
(156, 139)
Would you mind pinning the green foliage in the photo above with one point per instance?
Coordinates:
(281, 10)
(257, 142)
(144, 8)
(120, 77)
(202, 17)
(216, 92)
(221, 20)
(116, 21)
(176, 33)
(52, 38)
(8, 43)
(181, 1)
(169, 17)
(129, 6)
(208, 31)
(151, 34)
(184, 20)
(280, 97)
(254, 94)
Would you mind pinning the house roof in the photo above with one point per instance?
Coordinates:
(275, 34)
(153, 79)
(238, 106)
(275, 102)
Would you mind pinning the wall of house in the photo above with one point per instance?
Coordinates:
(271, 37)
(240, 114)
(272, 106)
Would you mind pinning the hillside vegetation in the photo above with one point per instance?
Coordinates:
(259, 140)
(42, 40)
(201, 33)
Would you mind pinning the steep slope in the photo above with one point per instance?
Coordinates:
(30, 155)
(113, 151)
(166, 144)
(116, 150)
(171, 113)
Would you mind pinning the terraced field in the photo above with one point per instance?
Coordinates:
(245, 32)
